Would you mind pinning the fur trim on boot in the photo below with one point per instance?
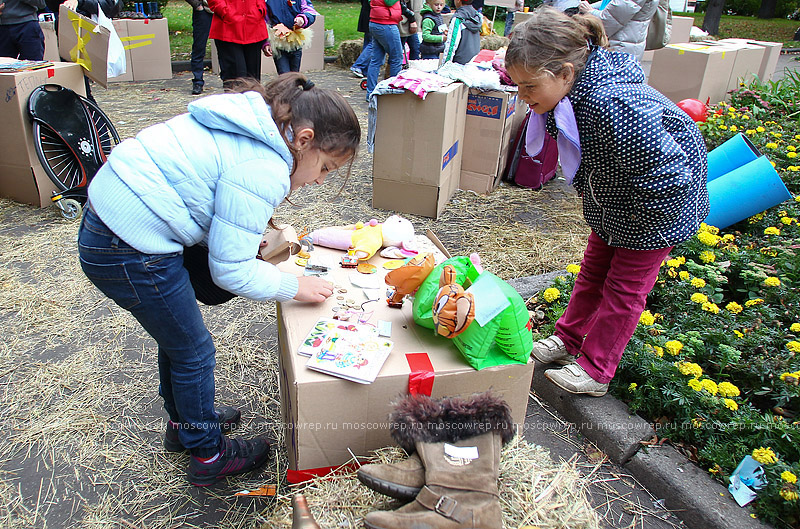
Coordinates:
(421, 419)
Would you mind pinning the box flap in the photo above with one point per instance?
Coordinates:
(83, 42)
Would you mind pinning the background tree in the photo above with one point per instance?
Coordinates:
(767, 9)
(713, 15)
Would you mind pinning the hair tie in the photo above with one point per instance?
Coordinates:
(308, 85)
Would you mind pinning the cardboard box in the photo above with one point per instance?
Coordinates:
(746, 63)
(681, 31)
(772, 51)
(488, 130)
(147, 52)
(420, 141)
(83, 42)
(416, 199)
(692, 70)
(326, 417)
(50, 41)
(313, 57)
(21, 176)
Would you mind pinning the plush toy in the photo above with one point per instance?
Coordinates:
(366, 239)
(453, 308)
(408, 277)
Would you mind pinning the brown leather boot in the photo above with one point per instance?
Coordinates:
(401, 480)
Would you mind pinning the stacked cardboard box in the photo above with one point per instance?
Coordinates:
(692, 70)
(147, 53)
(681, 32)
(492, 119)
(746, 62)
(772, 51)
(416, 164)
(21, 175)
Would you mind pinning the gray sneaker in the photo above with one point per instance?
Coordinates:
(551, 350)
(575, 379)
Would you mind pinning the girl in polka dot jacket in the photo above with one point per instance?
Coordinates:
(638, 162)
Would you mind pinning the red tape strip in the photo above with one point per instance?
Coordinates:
(301, 476)
(51, 72)
(420, 380)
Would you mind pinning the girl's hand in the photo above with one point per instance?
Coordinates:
(299, 21)
(584, 6)
(266, 49)
(281, 30)
(72, 4)
(313, 289)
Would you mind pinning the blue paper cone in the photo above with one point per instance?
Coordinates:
(734, 153)
(745, 191)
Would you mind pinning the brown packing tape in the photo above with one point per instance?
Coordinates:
(282, 243)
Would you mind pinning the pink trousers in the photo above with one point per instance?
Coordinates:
(607, 301)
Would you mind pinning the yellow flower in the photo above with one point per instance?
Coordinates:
(710, 307)
(772, 282)
(709, 385)
(788, 220)
(726, 389)
(723, 127)
(795, 327)
(708, 257)
(772, 230)
(684, 275)
(791, 154)
(698, 282)
(573, 269)
(695, 384)
(753, 302)
(790, 378)
(731, 404)
(797, 136)
(713, 230)
(734, 128)
(738, 334)
(788, 477)
(728, 237)
(673, 263)
(551, 294)
(697, 422)
(791, 148)
(709, 239)
(793, 346)
(760, 129)
(673, 347)
(632, 386)
(647, 318)
(750, 132)
(776, 134)
(734, 307)
(771, 145)
(690, 368)
(682, 259)
(745, 116)
(672, 273)
(699, 297)
(765, 456)
(789, 495)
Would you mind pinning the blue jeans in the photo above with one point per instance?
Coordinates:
(288, 61)
(362, 63)
(156, 290)
(385, 39)
(413, 46)
(201, 25)
(509, 23)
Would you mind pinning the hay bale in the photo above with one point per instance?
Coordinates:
(349, 51)
(493, 42)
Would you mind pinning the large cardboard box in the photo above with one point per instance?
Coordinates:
(416, 199)
(488, 129)
(746, 63)
(147, 52)
(327, 418)
(50, 41)
(691, 70)
(21, 176)
(772, 51)
(83, 42)
(681, 32)
(313, 57)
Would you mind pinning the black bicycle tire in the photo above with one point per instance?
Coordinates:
(66, 154)
(106, 123)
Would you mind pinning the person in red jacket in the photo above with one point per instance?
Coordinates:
(239, 29)
(383, 18)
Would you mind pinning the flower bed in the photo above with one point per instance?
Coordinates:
(715, 360)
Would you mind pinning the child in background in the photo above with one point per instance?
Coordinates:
(212, 177)
(464, 34)
(638, 161)
(239, 29)
(285, 17)
(409, 25)
(434, 31)
(383, 18)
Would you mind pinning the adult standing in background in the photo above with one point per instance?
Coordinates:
(409, 25)
(239, 28)
(361, 65)
(518, 6)
(21, 36)
(625, 22)
(201, 25)
(383, 18)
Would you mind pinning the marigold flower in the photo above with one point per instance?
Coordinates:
(750, 132)
(728, 237)
(738, 333)
(647, 318)
(695, 384)
(734, 307)
(745, 116)
(673, 347)
(710, 307)
(709, 385)
(699, 297)
(734, 128)
(684, 275)
(709, 239)
(788, 476)
(726, 389)
(790, 378)
(791, 148)
(771, 145)
(673, 263)
(797, 136)
(776, 134)
(772, 230)
(723, 127)
(573, 269)
(698, 282)
(753, 302)
(787, 220)
(791, 154)
(708, 257)
(772, 282)
(760, 129)
(795, 327)
(690, 369)
(697, 422)
(730, 404)
(671, 272)
(632, 386)
(793, 346)
(682, 259)
(551, 294)
(789, 495)
(765, 456)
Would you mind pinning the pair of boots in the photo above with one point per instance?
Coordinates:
(450, 478)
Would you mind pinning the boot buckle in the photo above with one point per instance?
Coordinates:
(446, 506)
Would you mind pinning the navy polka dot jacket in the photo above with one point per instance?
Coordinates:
(644, 163)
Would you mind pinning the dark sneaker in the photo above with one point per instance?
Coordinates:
(197, 88)
(237, 457)
(229, 418)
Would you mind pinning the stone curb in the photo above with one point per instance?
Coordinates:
(690, 493)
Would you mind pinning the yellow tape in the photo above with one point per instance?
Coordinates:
(138, 45)
(78, 54)
(138, 37)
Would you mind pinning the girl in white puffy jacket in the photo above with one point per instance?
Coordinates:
(625, 22)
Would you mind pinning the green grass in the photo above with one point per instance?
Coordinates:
(342, 18)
